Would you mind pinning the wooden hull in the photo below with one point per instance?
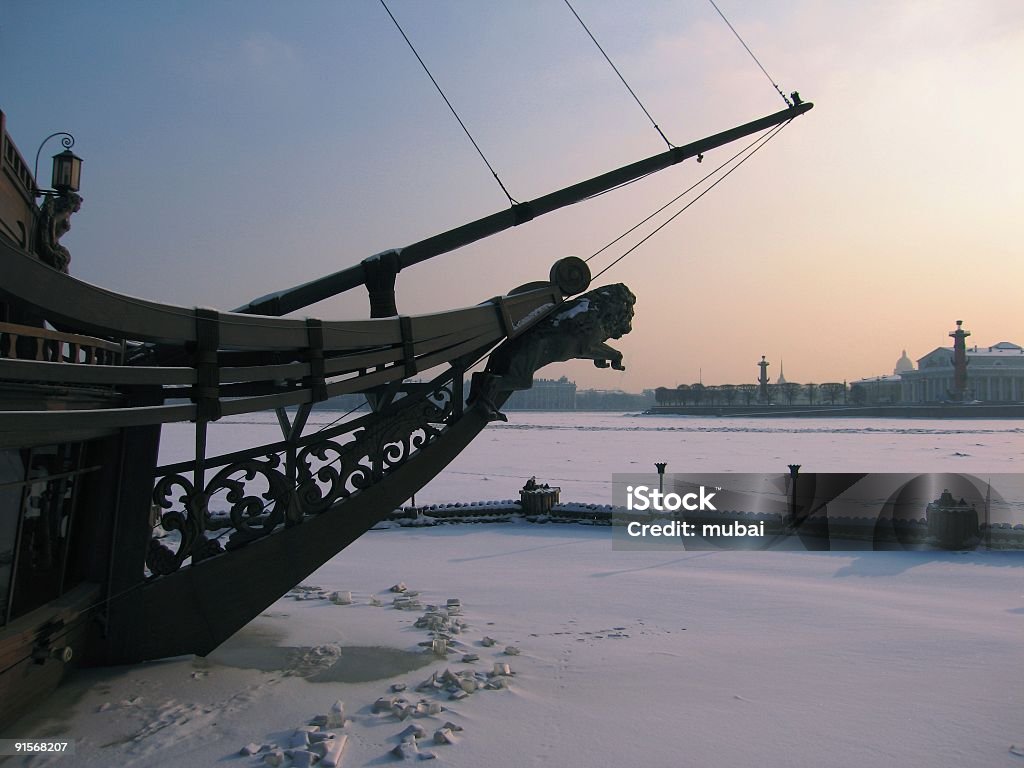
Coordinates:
(40, 648)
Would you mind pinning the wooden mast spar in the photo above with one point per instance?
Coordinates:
(378, 272)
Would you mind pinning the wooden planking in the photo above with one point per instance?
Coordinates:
(179, 376)
(522, 305)
(87, 307)
(28, 422)
(110, 375)
(92, 309)
(334, 366)
(18, 637)
(480, 317)
(478, 345)
(23, 681)
(262, 332)
(51, 437)
(23, 423)
(97, 310)
(234, 375)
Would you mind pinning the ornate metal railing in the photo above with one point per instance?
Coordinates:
(252, 493)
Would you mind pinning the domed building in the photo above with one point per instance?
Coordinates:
(995, 374)
(904, 364)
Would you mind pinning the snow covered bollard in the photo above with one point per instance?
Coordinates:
(383, 704)
(414, 731)
(427, 708)
(336, 717)
(341, 598)
(444, 736)
(333, 750)
(300, 738)
(409, 750)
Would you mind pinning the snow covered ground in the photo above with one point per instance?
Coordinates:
(627, 658)
(699, 658)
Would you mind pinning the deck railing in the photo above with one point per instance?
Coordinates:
(25, 342)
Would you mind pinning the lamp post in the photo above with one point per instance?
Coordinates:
(60, 202)
(794, 472)
(67, 167)
(660, 466)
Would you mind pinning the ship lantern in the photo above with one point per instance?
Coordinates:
(67, 171)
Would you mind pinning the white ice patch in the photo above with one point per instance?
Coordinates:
(531, 318)
(583, 305)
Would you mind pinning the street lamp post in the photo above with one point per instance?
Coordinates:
(60, 202)
(794, 472)
(67, 167)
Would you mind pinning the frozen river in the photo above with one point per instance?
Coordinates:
(690, 658)
(580, 451)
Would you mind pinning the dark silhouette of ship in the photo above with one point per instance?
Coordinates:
(108, 558)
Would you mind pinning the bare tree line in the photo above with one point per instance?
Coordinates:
(790, 392)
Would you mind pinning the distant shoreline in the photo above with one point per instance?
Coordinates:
(899, 411)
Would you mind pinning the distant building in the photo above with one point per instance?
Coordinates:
(545, 395)
(904, 364)
(613, 400)
(992, 374)
(995, 374)
(782, 376)
(876, 390)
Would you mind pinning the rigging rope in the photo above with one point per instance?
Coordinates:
(673, 200)
(762, 141)
(785, 98)
(606, 58)
(476, 146)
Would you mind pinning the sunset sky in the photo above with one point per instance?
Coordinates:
(235, 148)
